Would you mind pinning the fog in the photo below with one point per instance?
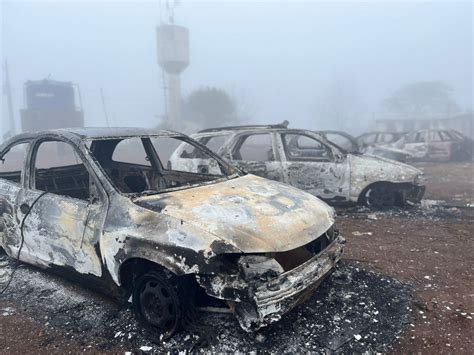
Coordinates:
(277, 60)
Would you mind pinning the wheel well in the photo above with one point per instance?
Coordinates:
(400, 185)
(132, 268)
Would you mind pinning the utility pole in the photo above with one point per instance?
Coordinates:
(8, 92)
(104, 108)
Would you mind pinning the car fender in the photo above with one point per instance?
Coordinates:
(367, 170)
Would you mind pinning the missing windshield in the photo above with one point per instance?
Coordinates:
(146, 164)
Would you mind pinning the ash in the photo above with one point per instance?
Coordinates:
(354, 310)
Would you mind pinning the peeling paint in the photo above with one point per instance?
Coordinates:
(200, 225)
(336, 176)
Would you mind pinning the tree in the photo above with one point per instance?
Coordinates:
(210, 107)
(422, 99)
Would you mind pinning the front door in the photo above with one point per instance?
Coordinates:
(60, 217)
(256, 153)
(12, 162)
(310, 165)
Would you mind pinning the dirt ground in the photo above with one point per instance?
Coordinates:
(429, 249)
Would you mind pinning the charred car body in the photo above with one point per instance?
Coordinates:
(308, 161)
(436, 145)
(381, 144)
(108, 207)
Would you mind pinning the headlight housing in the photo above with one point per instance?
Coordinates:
(419, 179)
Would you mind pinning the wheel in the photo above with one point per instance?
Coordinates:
(381, 197)
(156, 302)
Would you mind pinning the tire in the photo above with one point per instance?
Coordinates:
(156, 302)
(381, 197)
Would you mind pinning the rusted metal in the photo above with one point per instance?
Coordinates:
(338, 177)
(436, 145)
(208, 227)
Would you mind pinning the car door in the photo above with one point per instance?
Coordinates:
(12, 163)
(257, 154)
(416, 143)
(312, 165)
(61, 209)
(439, 145)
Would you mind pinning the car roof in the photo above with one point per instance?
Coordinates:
(284, 124)
(282, 127)
(98, 132)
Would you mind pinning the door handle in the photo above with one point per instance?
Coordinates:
(24, 208)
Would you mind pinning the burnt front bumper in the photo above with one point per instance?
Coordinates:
(258, 304)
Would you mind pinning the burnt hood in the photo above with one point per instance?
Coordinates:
(251, 213)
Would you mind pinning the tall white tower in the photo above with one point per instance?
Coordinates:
(173, 58)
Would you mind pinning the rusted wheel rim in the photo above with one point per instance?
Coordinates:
(158, 306)
(381, 197)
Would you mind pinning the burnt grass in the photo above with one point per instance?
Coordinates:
(354, 310)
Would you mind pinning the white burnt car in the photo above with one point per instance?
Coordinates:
(308, 161)
(105, 206)
(374, 144)
(436, 145)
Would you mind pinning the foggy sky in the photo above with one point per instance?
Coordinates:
(276, 58)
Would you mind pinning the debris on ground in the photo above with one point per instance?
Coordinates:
(354, 310)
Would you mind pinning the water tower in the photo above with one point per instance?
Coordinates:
(173, 58)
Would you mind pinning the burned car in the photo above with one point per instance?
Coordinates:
(380, 144)
(436, 145)
(308, 161)
(107, 207)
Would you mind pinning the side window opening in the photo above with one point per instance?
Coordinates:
(411, 138)
(386, 138)
(191, 160)
(299, 147)
(214, 143)
(369, 139)
(60, 170)
(445, 136)
(131, 151)
(421, 138)
(254, 147)
(436, 136)
(13, 161)
(341, 141)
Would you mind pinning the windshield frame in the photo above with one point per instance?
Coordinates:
(230, 171)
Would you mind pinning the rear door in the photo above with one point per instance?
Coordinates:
(310, 164)
(257, 153)
(439, 145)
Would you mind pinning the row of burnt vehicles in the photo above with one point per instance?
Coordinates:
(428, 145)
(234, 217)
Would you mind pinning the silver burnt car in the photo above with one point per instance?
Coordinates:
(308, 161)
(107, 207)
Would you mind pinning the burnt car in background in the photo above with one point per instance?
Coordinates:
(380, 144)
(437, 145)
(308, 161)
(106, 206)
